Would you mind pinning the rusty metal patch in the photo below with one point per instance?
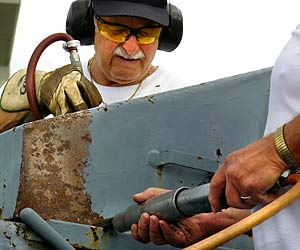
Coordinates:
(55, 154)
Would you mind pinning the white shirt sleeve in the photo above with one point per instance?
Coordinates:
(282, 231)
(284, 102)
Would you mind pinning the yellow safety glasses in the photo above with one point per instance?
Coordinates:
(121, 33)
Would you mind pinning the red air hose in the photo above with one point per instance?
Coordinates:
(30, 74)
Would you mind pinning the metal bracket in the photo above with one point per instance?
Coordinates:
(156, 158)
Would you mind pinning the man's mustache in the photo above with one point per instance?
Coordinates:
(119, 51)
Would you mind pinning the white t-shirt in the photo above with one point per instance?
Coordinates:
(159, 81)
(282, 231)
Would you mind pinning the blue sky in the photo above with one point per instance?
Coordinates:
(221, 37)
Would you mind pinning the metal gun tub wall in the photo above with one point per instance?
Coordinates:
(78, 168)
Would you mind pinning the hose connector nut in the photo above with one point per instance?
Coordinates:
(71, 45)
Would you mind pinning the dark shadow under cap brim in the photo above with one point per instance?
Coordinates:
(124, 8)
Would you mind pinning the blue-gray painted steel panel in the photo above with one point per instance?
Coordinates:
(200, 122)
(10, 164)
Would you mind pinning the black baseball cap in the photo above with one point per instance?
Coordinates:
(154, 10)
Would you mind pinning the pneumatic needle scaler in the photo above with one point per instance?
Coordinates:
(171, 206)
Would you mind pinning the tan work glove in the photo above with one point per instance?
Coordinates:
(62, 91)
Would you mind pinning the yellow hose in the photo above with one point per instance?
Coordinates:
(252, 220)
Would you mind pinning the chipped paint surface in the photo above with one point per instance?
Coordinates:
(55, 154)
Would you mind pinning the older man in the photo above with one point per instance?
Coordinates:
(127, 35)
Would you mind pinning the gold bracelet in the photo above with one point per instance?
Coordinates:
(283, 150)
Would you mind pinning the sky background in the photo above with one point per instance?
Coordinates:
(221, 37)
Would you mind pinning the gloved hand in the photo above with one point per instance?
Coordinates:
(62, 91)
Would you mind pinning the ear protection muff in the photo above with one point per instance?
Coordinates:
(80, 22)
(171, 36)
(80, 25)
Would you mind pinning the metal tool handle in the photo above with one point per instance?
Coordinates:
(195, 200)
(164, 206)
(171, 206)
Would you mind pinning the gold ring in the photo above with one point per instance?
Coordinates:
(244, 198)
